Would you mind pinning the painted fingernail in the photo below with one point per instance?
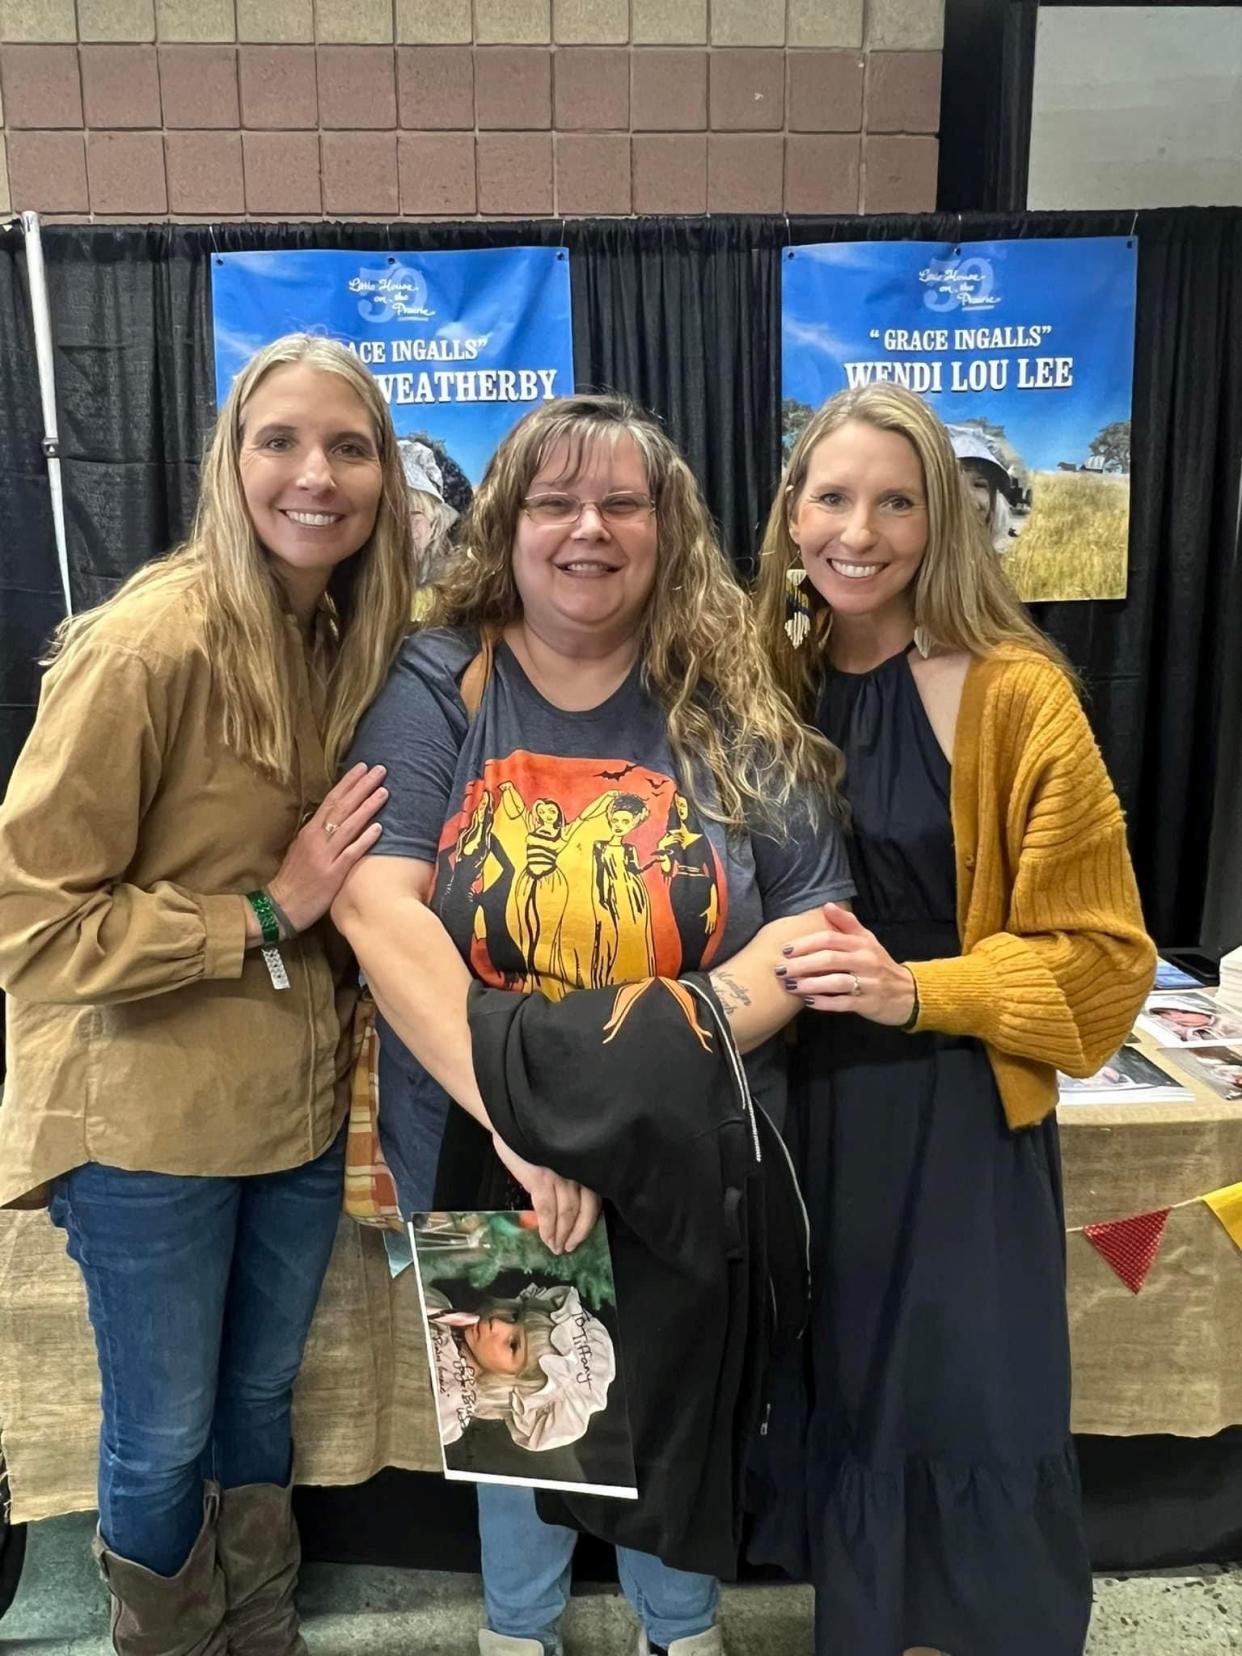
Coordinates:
(809, 1000)
(791, 985)
(787, 950)
(780, 970)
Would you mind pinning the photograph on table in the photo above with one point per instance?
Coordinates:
(1190, 1019)
(524, 1354)
(1129, 1077)
(1218, 1067)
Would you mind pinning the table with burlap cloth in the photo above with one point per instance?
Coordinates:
(1168, 1359)
(363, 1400)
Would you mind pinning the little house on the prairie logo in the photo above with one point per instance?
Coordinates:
(961, 284)
(390, 292)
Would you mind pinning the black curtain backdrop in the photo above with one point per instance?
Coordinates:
(988, 72)
(1151, 1503)
(31, 602)
(685, 316)
(1222, 904)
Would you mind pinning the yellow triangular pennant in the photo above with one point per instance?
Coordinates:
(1226, 1204)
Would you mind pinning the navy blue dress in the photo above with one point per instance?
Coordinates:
(918, 1460)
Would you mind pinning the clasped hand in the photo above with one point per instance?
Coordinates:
(566, 1211)
(847, 969)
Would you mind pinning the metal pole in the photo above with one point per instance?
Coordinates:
(47, 391)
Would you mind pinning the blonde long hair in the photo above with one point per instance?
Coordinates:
(702, 661)
(962, 597)
(223, 570)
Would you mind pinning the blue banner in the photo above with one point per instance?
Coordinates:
(462, 344)
(1024, 348)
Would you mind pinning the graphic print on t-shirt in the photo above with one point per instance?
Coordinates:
(562, 874)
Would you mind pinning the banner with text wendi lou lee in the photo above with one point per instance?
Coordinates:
(1025, 349)
(462, 344)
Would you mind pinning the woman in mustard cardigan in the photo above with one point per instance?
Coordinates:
(921, 1463)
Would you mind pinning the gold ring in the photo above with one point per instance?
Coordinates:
(329, 828)
(857, 989)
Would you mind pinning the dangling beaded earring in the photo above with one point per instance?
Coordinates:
(797, 607)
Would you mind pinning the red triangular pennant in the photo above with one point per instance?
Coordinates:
(1129, 1245)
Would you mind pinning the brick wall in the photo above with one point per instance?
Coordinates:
(213, 109)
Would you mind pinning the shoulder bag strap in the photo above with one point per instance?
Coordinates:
(474, 680)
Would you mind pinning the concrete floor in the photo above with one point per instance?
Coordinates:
(60, 1610)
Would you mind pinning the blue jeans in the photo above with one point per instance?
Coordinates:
(201, 1293)
(526, 1570)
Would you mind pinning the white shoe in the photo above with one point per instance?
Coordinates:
(500, 1644)
(710, 1643)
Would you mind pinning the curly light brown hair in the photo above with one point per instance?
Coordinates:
(730, 726)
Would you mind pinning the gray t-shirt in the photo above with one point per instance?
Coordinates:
(566, 853)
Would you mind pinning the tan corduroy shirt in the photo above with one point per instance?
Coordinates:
(141, 1032)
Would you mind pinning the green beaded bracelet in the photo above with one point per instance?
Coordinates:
(265, 914)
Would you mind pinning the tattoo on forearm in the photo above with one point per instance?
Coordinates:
(731, 993)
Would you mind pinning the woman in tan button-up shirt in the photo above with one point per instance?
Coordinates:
(179, 1007)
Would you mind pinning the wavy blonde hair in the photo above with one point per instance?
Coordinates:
(962, 597)
(702, 661)
(224, 570)
(439, 546)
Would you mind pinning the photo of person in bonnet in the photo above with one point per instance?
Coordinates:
(439, 492)
(988, 480)
(524, 1354)
(1190, 1020)
(541, 1363)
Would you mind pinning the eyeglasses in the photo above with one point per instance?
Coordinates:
(563, 509)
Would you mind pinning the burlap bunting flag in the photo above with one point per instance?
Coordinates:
(1129, 1245)
(1226, 1204)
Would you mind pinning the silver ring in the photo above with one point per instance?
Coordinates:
(857, 989)
(329, 828)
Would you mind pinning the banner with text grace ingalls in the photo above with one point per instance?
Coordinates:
(462, 344)
(1025, 349)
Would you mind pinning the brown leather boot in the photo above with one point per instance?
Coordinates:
(259, 1553)
(181, 1615)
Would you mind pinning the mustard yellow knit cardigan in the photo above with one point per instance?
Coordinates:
(1055, 960)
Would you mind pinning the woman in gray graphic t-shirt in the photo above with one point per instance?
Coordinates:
(593, 779)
